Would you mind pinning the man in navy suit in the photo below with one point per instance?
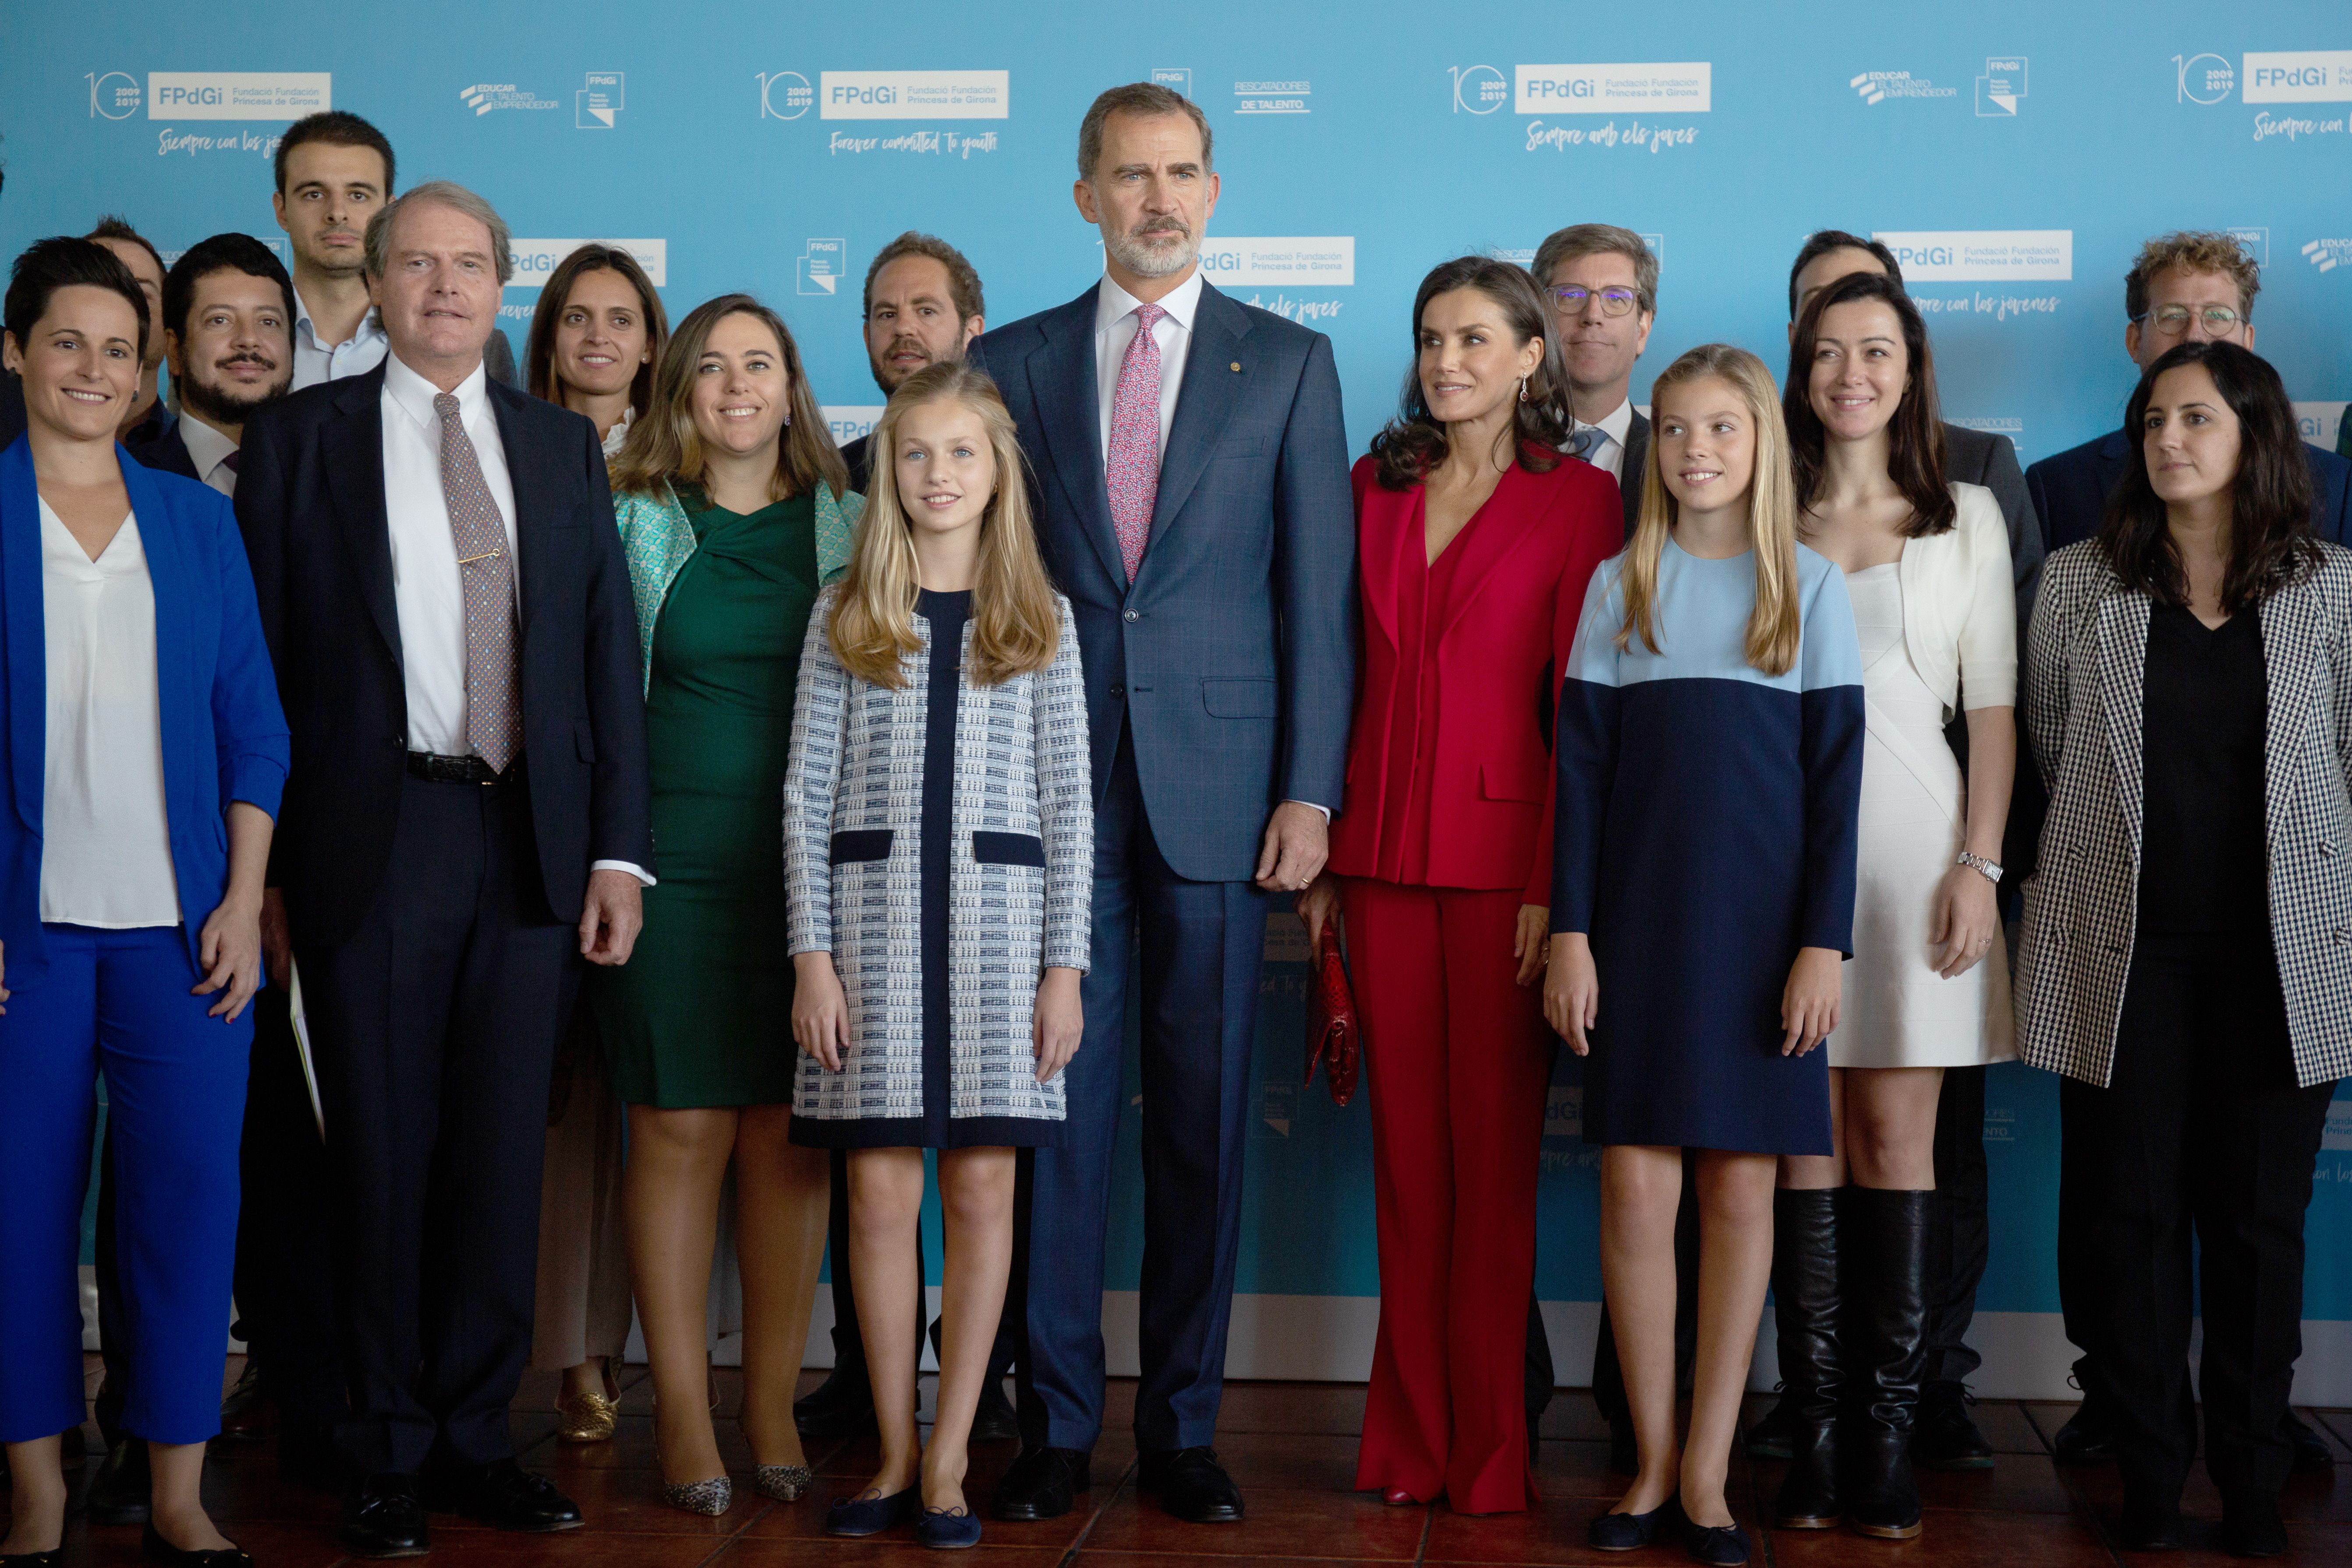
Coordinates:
(1189, 480)
(2186, 287)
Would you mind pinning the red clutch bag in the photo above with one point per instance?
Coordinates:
(1334, 1037)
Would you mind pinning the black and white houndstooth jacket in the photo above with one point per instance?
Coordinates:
(2083, 704)
(1024, 783)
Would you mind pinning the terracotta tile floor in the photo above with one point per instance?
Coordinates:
(1292, 1447)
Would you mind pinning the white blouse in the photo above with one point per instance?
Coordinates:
(106, 841)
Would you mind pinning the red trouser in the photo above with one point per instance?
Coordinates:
(1459, 1067)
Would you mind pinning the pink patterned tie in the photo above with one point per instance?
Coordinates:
(1132, 466)
(486, 573)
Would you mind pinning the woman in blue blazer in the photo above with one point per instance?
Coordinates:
(141, 756)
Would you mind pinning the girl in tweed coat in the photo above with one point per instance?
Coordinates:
(939, 850)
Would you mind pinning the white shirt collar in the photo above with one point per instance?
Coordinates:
(1181, 303)
(1617, 422)
(207, 447)
(414, 395)
(371, 325)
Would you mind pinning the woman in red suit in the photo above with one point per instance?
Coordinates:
(1476, 537)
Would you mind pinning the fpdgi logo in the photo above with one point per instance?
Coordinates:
(2328, 255)
(594, 105)
(1478, 89)
(2000, 87)
(2303, 76)
(785, 95)
(1176, 78)
(113, 95)
(818, 269)
(2201, 79)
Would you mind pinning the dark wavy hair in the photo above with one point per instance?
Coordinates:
(1413, 443)
(2271, 543)
(1915, 457)
(555, 297)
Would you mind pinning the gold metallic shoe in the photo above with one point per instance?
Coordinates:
(786, 1483)
(586, 1417)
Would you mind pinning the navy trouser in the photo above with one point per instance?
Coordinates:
(118, 1001)
(1201, 947)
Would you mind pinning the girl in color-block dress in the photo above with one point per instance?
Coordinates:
(939, 853)
(1710, 744)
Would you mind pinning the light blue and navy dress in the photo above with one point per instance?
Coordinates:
(1707, 830)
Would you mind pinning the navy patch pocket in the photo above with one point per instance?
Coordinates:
(865, 844)
(1008, 850)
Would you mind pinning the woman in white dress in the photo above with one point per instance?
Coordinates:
(1927, 569)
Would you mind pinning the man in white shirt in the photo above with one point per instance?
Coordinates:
(1602, 282)
(335, 172)
(468, 819)
(1190, 483)
(229, 309)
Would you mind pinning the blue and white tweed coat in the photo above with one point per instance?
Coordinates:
(1023, 772)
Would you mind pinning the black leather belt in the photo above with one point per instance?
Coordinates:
(458, 770)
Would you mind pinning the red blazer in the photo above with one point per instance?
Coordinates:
(1517, 596)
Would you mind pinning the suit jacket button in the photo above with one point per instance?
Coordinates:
(1134, 615)
(1118, 690)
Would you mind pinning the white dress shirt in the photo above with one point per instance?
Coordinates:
(1114, 325)
(210, 451)
(428, 591)
(106, 841)
(1609, 454)
(315, 362)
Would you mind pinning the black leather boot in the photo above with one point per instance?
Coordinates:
(1806, 1301)
(1887, 1272)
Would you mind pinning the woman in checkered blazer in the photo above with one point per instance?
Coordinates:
(2187, 958)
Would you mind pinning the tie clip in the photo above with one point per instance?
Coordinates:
(484, 555)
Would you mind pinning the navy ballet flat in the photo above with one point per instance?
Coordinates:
(1717, 1545)
(873, 1515)
(948, 1529)
(1629, 1531)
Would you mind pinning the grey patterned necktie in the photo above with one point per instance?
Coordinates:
(1586, 439)
(486, 568)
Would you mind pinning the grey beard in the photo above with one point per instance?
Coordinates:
(1145, 261)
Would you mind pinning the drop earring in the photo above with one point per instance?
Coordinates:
(1523, 389)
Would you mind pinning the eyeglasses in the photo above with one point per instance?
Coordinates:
(2173, 319)
(1569, 300)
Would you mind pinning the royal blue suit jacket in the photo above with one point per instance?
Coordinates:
(224, 736)
(2070, 490)
(1232, 656)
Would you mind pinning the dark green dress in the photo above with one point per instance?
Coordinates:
(701, 1014)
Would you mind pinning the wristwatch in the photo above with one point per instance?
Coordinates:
(1989, 869)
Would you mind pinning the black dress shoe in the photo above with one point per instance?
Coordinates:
(383, 1517)
(120, 1491)
(2311, 1449)
(504, 1496)
(244, 1413)
(2151, 1524)
(2085, 1439)
(2251, 1526)
(1193, 1486)
(1945, 1439)
(49, 1559)
(155, 1549)
(1043, 1483)
(1772, 1436)
(995, 1420)
(840, 1406)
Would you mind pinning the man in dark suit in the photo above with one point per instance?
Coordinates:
(2186, 287)
(449, 614)
(1602, 285)
(2183, 288)
(1189, 479)
(923, 305)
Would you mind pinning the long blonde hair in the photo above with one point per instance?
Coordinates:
(1016, 626)
(1774, 625)
(663, 446)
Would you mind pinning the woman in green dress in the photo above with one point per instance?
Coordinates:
(730, 499)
